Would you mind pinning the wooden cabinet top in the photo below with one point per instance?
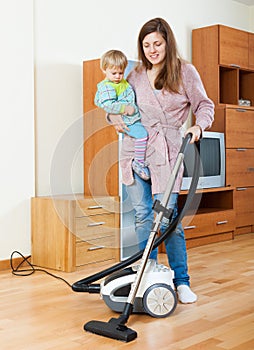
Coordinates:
(229, 46)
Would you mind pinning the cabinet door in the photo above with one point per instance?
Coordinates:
(239, 128)
(100, 139)
(233, 47)
(251, 50)
(244, 205)
(100, 155)
(240, 167)
(205, 53)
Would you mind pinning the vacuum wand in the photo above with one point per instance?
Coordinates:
(115, 328)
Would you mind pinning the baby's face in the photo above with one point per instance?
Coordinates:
(114, 74)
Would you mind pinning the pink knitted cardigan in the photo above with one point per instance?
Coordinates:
(163, 114)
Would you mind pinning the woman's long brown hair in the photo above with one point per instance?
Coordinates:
(169, 77)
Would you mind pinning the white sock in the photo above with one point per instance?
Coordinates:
(185, 294)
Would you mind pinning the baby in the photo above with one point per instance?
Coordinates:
(116, 96)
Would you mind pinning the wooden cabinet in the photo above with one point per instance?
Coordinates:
(72, 230)
(239, 131)
(224, 57)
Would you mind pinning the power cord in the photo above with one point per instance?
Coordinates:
(19, 271)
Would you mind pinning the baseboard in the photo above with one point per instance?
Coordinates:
(243, 230)
(5, 264)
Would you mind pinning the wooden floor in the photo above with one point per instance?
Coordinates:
(38, 312)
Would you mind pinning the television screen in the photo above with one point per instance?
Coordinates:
(212, 156)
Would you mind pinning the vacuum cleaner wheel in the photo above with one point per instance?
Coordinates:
(159, 300)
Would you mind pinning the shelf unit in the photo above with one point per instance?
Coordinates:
(240, 82)
(224, 57)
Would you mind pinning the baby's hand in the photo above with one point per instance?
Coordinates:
(129, 110)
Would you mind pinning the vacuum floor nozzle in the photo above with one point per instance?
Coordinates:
(111, 329)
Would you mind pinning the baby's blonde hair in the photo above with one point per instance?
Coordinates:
(113, 58)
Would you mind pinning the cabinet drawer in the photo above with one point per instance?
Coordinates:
(240, 167)
(96, 205)
(223, 221)
(95, 251)
(209, 223)
(239, 128)
(244, 206)
(94, 226)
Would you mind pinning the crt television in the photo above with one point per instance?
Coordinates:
(212, 156)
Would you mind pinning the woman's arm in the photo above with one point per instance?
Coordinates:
(201, 105)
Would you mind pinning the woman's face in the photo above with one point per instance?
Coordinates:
(154, 46)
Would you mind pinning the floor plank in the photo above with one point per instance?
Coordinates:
(38, 312)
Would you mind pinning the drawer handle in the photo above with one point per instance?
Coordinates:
(222, 222)
(241, 110)
(233, 65)
(95, 248)
(250, 169)
(241, 188)
(96, 224)
(95, 207)
(241, 149)
(189, 227)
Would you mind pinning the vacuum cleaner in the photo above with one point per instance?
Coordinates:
(148, 286)
(155, 295)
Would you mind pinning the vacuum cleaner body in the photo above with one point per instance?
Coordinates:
(155, 295)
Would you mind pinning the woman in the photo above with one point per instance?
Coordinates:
(166, 89)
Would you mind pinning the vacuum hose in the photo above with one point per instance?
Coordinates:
(85, 285)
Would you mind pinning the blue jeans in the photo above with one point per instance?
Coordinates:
(142, 200)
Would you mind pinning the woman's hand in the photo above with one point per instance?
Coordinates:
(129, 110)
(196, 132)
(118, 123)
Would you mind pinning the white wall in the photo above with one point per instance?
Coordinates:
(252, 19)
(17, 125)
(67, 32)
